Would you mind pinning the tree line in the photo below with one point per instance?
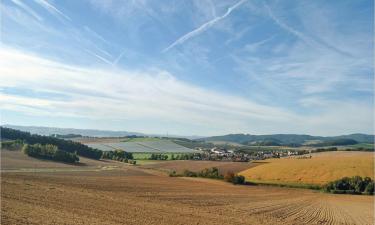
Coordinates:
(61, 144)
(212, 173)
(351, 185)
(50, 152)
(119, 155)
(12, 145)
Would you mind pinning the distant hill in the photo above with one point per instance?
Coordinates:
(288, 139)
(68, 131)
(56, 131)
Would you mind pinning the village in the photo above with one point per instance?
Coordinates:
(223, 154)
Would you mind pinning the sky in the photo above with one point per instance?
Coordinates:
(189, 67)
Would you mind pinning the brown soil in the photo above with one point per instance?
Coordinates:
(180, 165)
(132, 195)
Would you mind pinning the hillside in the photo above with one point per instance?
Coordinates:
(157, 146)
(320, 169)
(68, 131)
(288, 138)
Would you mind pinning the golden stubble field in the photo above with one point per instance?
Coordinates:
(133, 195)
(320, 169)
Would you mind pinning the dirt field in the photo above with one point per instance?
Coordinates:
(132, 195)
(320, 169)
(181, 165)
(13, 161)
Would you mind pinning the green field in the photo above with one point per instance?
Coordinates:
(359, 145)
(147, 155)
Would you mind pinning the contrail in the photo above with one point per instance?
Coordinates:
(52, 9)
(203, 27)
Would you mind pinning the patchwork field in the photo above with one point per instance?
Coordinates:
(320, 169)
(136, 195)
(156, 146)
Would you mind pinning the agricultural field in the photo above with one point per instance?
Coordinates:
(145, 145)
(320, 169)
(16, 161)
(180, 165)
(136, 195)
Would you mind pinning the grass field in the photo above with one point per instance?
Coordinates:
(360, 145)
(142, 139)
(133, 195)
(320, 169)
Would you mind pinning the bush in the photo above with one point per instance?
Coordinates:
(210, 173)
(238, 179)
(369, 189)
(229, 176)
(188, 173)
(234, 178)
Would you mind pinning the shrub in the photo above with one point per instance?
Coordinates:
(173, 174)
(238, 179)
(229, 176)
(188, 173)
(369, 188)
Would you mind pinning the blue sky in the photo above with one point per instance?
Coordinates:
(200, 67)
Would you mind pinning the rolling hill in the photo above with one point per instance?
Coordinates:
(290, 138)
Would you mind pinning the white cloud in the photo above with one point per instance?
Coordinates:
(121, 95)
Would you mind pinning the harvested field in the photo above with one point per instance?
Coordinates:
(133, 195)
(320, 169)
(17, 161)
(181, 165)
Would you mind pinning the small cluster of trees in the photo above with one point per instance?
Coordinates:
(155, 156)
(212, 173)
(234, 178)
(351, 185)
(50, 152)
(206, 173)
(12, 145)
(64, 145)
(119, 155)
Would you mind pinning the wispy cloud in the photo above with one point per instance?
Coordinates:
(302, 36)
(203, 27)
(27, 9)
(99, 57)
(137, 96)
(52, 9)
(96, 35)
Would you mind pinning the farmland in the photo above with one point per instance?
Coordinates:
(143, 145)
(136, 195)
(320, 169)
(196, 166)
